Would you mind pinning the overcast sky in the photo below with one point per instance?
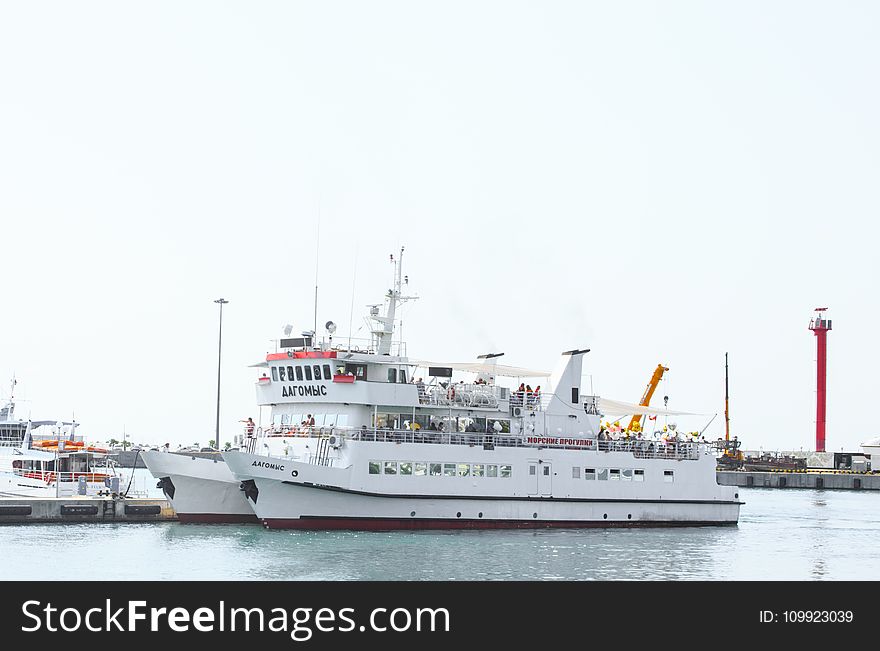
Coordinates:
(658, 182)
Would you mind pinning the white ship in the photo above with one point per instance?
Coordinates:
(355, 443)
(47, 459)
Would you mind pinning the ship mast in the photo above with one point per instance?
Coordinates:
(383, 331)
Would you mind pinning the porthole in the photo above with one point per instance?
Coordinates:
(412, 513)
(629, 516)
(480, 514)
(736, 495)
(534, 515)
(458, 515)
(605, 516)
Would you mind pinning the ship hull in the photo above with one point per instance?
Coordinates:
(200, 490)
(295, 495)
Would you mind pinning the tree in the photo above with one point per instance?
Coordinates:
(113, 443)
(211, 443)
(228, 446)
(126, 445)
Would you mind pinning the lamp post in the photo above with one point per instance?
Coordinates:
(221, 302)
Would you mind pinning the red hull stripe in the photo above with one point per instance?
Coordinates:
(391, 524)
(302, 354)
(217, 518)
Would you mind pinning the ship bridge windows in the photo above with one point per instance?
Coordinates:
(307, 372)
(392, 375)
(358, 370)
(668, 476)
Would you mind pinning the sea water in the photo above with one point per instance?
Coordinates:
(782, 534)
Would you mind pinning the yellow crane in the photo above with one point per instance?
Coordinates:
(635, 423)
(731, 455)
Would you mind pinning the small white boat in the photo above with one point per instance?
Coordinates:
(45, 459)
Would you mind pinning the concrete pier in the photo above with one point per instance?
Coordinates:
(836, 480)
(20, 510)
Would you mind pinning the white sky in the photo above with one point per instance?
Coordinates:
(659, 182)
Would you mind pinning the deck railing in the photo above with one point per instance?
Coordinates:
(641, 449)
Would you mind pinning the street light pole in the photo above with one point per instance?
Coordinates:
(221, 302)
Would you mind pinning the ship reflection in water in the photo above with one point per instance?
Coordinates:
(790, 534)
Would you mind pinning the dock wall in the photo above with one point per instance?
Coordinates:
(824, 480)
(20, 510)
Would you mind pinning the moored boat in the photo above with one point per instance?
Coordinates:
(367, 444)
(47, 459)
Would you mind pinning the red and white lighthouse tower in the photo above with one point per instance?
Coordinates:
(820, 327)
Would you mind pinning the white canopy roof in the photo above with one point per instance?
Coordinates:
(483, 367)
(29, 454)
(618, 408)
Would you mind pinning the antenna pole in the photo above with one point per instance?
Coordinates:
(317, 258)
(221, 302)
(726, 403)
(351, 309)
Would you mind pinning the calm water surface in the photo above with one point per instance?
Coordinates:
(782, 534)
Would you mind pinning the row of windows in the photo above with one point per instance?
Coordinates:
(419, 469)
(618, 474)
(302, 372)
(441, 423)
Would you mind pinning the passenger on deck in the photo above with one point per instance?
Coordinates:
(536, 396)
(519, 394)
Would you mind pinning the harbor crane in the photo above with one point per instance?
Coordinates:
(635, 423)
